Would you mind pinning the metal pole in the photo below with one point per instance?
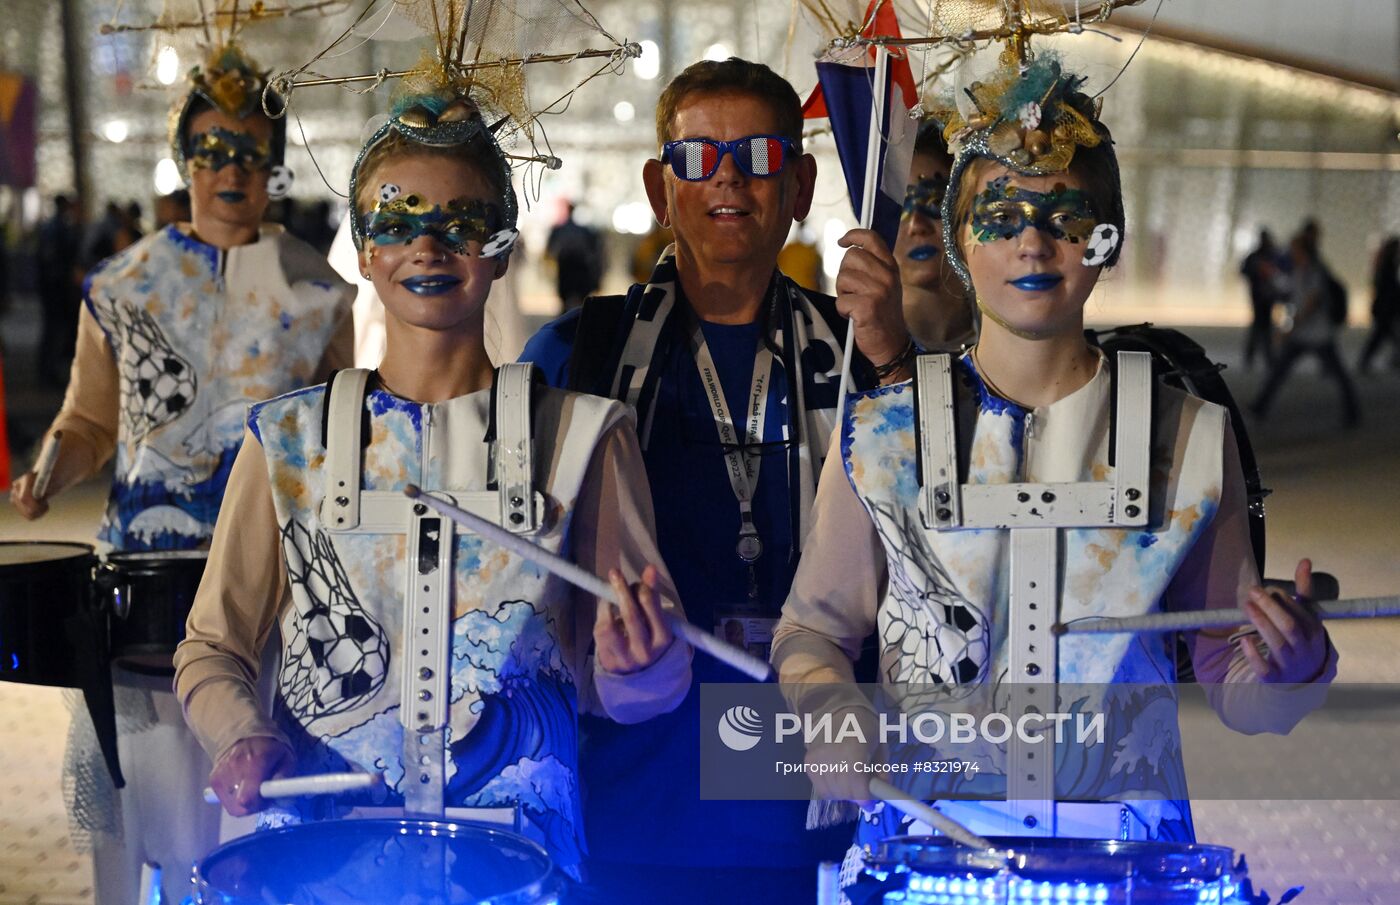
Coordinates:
(74, 64)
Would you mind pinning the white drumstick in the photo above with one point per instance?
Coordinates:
(320, 784)
(43, 469)
(1194, 620)
(946, 825)
(585, 580)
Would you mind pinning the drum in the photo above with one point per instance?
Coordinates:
(924, 870)
(43, 586)
(148, 597)
(378, 862)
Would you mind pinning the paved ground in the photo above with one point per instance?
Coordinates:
(1336, 495)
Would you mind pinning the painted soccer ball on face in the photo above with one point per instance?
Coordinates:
(500, 243)
(279, 181)
(388, 192)
(1101, 245)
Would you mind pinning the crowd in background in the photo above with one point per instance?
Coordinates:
(1299, 306)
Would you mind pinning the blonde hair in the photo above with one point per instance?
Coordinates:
(477, 154)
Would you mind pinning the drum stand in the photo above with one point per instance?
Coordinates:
(427, 594)
(1035, 514)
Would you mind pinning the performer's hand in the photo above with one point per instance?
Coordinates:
(633, 636)
(243, 769)
(869, 292)
(23, 499)
(1294, 636)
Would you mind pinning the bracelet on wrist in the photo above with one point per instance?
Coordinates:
(905, 356)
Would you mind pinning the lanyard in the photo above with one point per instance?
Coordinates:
(741, 464)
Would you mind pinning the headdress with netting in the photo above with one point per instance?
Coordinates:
(228, 79)
(471, 84)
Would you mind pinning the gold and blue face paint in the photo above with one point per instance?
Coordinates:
(399, 219)
(220, 147)
(925, 197)
(1003, 210)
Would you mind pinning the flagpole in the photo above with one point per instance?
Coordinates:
(873, 153)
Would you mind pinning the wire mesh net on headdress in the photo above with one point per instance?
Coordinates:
(472, 33)
(952, 18)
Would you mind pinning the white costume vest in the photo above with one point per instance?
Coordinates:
(515, 656)
(943, 617)
(199, 334)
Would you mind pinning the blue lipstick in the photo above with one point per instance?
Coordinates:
(1037, 282)
(923, 252)
(232, 197)
(435, 284)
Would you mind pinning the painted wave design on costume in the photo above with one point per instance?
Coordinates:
(530, 718)
(164, 510)
(547, 790)
(491, 647)
(336, 656)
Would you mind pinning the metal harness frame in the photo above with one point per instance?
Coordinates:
(427, 597)
(1034, 514)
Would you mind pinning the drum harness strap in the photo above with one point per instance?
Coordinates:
(1035, 514)
(511, 500)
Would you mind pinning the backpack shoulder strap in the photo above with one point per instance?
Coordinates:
(343, 434)
(592, 355)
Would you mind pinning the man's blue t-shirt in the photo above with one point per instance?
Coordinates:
(641, 783)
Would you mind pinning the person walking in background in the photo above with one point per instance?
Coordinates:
(577, 252)
(1314, 308)
(1261, 271)
(60, 282)
(1385, 304)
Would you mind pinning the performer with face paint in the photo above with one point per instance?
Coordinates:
(461, 680)
(936, 306)
(178, 334)
(1033, 216)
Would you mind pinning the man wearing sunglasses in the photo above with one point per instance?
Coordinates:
(733, 370)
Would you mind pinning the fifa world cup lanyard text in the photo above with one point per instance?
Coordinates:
(741, 465)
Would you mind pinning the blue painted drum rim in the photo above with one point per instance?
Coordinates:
(305, 842)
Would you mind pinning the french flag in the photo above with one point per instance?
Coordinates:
(699, 159)
(873, 128)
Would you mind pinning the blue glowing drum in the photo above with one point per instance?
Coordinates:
(378, 862)
(933, 870)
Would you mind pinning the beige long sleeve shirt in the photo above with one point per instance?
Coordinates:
(838, 588)
(246, 590)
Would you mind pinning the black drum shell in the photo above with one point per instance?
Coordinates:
(38, 600)
(148, 598)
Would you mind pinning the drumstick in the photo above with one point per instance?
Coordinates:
(319, 784)
(946, 825)
(1192, 620)
(581, 578)
(43, 469)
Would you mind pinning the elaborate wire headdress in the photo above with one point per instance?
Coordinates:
(227, 77)
(470, 85)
